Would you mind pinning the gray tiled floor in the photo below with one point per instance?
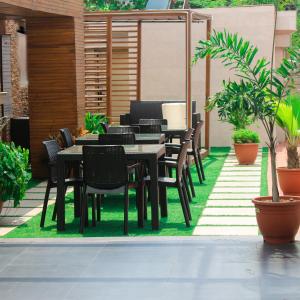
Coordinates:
(162, 268)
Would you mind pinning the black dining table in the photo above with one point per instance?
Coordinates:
(140, 138)
(149, 153)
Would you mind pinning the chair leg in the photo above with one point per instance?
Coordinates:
(45, 205)
(54, 212)
(188, 171)
(201, 164)
(186, 198)
(99, 198)
(94, 205)
(83, 207)
(185, 182)
(183, 205)
(198, 167)
(126, 205)
(145, 202)
(140, 204)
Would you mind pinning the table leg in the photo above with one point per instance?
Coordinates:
(153, 193)
(60, 198)
(77, 191)
(163, 194)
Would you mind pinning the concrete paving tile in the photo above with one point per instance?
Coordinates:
(18, 212)
(237, 184)
(242, 221)
(226, 178)
(38, 196)
(240, 173)
(13, 221)
(227, 230)
(231, 203)
(233, 196)
(229, 211)
(230, 189)
(26, 203)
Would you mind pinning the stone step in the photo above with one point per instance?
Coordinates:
(37, 196)
(41, 190)
(233, 196)
(237, 184)
(229, 211)
(241, 169)
(20, 212)
(6, 230)
(230, 203)
(227, 230)
(235, 164)
(242, 221)
(226, 190)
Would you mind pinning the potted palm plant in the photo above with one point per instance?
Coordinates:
(278, 216)
(234, 108)
(14, 175)
(288, 118)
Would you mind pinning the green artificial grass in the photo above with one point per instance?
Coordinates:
(112, 212)
(264, 173)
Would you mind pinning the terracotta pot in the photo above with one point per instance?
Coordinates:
(289, 181)
(278, 222)
(1, 206)
(246, 153)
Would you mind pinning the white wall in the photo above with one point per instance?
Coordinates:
(163, 58)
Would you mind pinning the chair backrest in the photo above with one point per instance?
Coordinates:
(67, 137)
(52, 148)
(153, 122)
(197, 135)
(117, 139)
(181, 159)
(188, 134)
(150, 128)
(123, 129)
(105, 127)
(158, 4)
(104, 167)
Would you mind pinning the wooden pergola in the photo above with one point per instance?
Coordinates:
(113, 43)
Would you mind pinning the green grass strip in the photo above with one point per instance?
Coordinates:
(112, 212)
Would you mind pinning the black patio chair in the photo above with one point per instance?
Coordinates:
(106, 171)
(174, 149)
(178, 182)
(52, 148)
(123, 129)
(104, 127)
(154, 128)
(67, 137)
(117, 139)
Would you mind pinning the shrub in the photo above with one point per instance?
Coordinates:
(93, 123)
(14, 175)
(245, 136)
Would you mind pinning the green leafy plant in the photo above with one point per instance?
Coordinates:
(267, 86)
(14, 175)
(245, 136)
(93, 123)
(232, 105)
(288, 118)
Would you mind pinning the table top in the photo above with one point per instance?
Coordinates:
(143, 151)
(141, 138)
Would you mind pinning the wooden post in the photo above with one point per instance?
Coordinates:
(207, 89)
(139, 60)
(109, 68)
(188, 88)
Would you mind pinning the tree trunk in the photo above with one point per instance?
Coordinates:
(293, 157)
(275, 192)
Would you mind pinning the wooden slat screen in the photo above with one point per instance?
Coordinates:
(112, 70)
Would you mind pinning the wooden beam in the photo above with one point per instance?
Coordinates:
(207, 89)
(109, 68)
(139, 60)
(188, 87)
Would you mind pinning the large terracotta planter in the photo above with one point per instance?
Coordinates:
(246, 153)
(278, 222)
(1, 206)
(289, 181)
